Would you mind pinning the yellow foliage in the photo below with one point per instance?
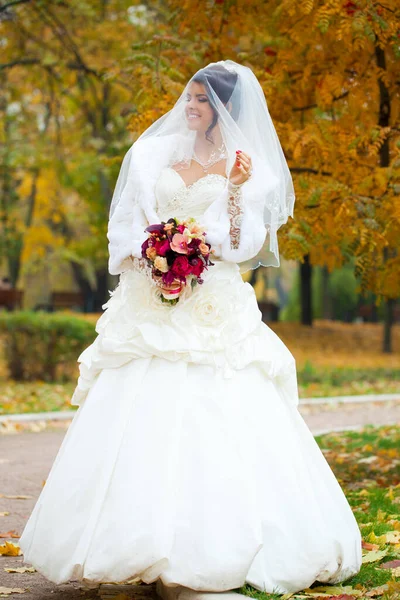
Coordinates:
(10, 549)
(320, 64)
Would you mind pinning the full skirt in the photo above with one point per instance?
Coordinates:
(187, 459)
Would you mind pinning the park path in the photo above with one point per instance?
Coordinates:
(27, 453)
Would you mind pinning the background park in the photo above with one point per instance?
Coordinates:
(80, 80)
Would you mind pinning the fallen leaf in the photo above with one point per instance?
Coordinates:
(4, 514)
(10, 534)
(374, 556)
(368, 460)
(395, 523)
(20, 569)
(393, 537)
(396, 572)
(329, 591)
(10, 549)
(341, 597)
(378, 591)
(15, 497)
(7, 591)
(369, 546)
(394, 587)
(392, 564)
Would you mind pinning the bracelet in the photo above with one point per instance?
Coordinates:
(235, 213)
(234, 187)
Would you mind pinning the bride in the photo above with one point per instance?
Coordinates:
(187, 461)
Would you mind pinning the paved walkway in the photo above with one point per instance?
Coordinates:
(26, 457)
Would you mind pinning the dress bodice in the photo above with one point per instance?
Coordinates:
(176, 199)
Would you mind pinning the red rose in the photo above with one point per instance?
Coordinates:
(197, 266)
(162, 247)
(181, 266)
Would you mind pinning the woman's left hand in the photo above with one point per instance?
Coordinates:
(241, 170)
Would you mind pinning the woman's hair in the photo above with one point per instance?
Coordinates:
(223, 83)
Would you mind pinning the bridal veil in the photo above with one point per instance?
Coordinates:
(242, 115)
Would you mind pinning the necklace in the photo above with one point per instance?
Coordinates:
(215, 156)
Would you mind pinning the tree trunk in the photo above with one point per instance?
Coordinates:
(387, 325)
(384, 161)
(306, 291)
(253, 277)
(326, 297)
(101, 291)
(84, 287)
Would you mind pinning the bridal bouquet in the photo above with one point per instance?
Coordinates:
(178, 254)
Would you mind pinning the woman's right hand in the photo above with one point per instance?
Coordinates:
(241, 170)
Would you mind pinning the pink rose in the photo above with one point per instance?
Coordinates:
(204, 249)
(179, 243)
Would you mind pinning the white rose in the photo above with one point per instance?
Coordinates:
(161, 264)
(208, 309)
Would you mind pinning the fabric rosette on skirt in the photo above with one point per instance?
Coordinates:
(217, 323)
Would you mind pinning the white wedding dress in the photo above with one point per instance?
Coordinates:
(187, 459)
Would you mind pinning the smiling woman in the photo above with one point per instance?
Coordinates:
(188, 447)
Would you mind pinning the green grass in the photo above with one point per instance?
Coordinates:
(34, 397)
(340, 381)
(373, 491)
(370, 576)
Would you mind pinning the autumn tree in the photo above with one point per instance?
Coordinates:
(329, 71)
(63, 123)
(330, 74)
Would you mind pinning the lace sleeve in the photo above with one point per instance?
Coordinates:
(235, 212)
(234, 223)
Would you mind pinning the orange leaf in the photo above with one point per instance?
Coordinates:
(9, 534)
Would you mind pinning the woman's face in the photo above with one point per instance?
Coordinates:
(199, 114)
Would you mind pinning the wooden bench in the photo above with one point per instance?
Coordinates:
(74, 300)
(369, 313)
(11, 299)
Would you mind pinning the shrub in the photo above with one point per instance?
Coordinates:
(38, 345)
